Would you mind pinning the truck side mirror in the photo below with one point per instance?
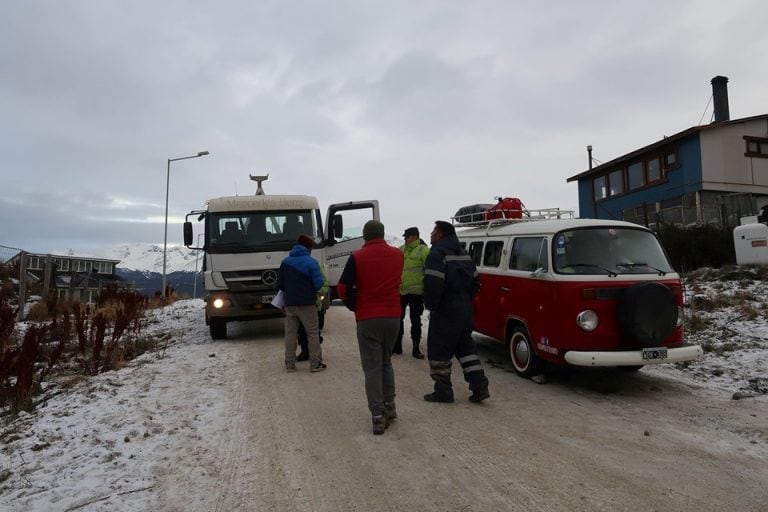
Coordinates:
(338, 226)
(188, 234)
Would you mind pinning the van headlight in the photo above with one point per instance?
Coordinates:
(587, 320)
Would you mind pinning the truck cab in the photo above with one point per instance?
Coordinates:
(247, 237)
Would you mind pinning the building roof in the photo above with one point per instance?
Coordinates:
(62, 256)
(658, 144)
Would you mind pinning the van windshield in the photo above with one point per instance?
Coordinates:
(609, 250)
(230, 232)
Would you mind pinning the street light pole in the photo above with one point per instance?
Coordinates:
(167, 188)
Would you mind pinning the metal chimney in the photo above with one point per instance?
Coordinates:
(720, 98)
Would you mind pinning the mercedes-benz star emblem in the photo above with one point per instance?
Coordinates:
(269, 277)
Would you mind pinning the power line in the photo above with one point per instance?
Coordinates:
(705, 110)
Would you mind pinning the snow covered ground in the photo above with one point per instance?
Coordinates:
(99, 444)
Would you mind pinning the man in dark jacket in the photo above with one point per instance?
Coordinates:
(300, 279)
(450, 282)
(370, 286)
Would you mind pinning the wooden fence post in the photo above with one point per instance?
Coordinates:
(22, 284)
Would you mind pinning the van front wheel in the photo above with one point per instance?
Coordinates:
(524, 358)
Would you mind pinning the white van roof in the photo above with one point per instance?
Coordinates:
(262, 202)
(539, 227)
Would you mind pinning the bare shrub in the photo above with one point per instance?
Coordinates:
(71, 339)
(694, 323)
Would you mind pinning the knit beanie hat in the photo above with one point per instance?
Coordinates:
(373, 229)
(414, 231)
(306, 242)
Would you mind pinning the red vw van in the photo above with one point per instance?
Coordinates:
(583, 292)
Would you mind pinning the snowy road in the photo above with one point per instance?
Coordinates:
(221, 427)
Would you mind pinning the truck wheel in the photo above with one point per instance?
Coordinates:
(524, 358)
(218, 329)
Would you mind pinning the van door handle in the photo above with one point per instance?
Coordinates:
(504, 289)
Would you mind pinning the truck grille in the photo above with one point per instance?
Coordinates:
(251, 280)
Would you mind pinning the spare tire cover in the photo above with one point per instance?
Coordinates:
(647, 313)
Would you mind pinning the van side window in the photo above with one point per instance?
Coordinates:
(528, 254)
(476, 251)
(492, 256)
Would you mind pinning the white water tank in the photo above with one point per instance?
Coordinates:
(751, 243)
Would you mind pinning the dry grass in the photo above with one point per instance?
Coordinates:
(68, 342)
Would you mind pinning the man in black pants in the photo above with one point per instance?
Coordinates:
(412, 289)
(450, 282)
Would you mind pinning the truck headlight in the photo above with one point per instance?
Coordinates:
(587, 320)
(218, 303)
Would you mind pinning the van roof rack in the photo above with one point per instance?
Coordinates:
(511, 217)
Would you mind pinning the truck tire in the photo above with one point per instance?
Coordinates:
(523, 356)
(218, 328)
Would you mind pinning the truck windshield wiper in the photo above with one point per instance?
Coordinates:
(610, 273)
(635, 265)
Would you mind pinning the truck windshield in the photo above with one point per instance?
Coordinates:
(260, 231)
(609, 251)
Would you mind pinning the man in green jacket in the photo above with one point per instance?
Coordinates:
(415, 252)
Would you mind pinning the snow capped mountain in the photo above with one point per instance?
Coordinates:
(149, 257)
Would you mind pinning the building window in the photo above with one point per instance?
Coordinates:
(635, 175)
(102, 267)
(756, 147)
(670, 159)
(599, 188)
(82, 266)
(616, 182)
(654, 170)
(34, 263)
(62, 264)
(492, 256)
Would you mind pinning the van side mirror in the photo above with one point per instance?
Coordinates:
(188, 235)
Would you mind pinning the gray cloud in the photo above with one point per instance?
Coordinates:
(424, 106)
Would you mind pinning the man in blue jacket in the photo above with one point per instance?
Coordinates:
(300, 279)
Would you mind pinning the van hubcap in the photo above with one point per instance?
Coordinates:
(522, 355)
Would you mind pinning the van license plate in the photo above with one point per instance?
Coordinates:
(654, 353)
(266, 299)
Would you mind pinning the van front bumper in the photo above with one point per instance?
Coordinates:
(631, 357)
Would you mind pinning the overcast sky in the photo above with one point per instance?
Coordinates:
(424, 105)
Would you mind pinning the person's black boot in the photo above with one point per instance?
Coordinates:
(436, 397)
(416, 352)
(390, 413)
(478, 396)
(303, 356)
(398, 348)
(379, 425)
